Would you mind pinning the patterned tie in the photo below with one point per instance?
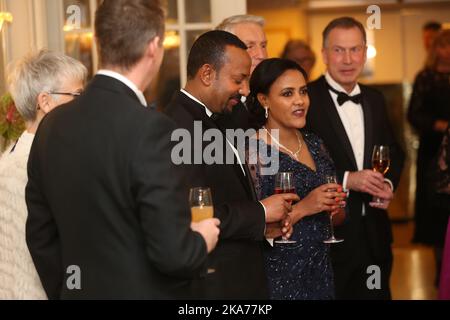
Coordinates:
(343, 97)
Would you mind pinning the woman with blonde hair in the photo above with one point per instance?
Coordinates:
(38, 83)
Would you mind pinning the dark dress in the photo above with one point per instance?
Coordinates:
(303, 270)
(430, 101)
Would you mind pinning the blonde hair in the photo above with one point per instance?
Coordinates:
(37, 72)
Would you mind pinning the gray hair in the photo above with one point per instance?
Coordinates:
(293, 45)
(39, 72)
(229, 23)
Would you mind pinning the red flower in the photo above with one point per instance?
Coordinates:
(10, 114)
(11, 123)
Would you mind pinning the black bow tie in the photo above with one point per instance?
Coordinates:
(343, 97)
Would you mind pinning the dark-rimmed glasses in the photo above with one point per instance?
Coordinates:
(73, 94)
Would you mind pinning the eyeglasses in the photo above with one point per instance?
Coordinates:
(73, 94)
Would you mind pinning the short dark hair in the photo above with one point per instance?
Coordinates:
(262, 79)
(124, 28)
(442, 39)
(210, 48)
(293, 45)
(343, 23)
(432, 25)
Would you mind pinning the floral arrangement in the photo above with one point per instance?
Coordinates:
(11, 123)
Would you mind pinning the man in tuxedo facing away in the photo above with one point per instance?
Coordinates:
(250, 30)
(218, 70)
(108, 213)
(351, 119)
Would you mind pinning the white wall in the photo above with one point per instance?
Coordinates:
(221, 9)
(28, 30)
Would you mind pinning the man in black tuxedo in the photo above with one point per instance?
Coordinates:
(218, 70)
(108, 215)
(351, 118)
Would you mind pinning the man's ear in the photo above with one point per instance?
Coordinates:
(324, 56)
(43, 102)
(207, 74)
(365, 53)
(262, 99)
(153, 46)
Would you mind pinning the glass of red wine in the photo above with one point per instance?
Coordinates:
(381, 162)
(332, 238)
(284, 183)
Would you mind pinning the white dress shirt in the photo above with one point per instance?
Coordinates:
(352, 119)
(125, 81)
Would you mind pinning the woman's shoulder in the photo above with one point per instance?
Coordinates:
(316, 144)
(311, 137)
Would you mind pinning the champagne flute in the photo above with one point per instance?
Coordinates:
(284, 183)
(380, 162)
(200, 200)
(332, 238)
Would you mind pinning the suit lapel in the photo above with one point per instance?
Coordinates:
(245, 179)
(250, 183)
(368, 130)
(199, 114)
(336, 122)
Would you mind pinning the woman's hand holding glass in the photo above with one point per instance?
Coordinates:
(320, 199)
(332, 180)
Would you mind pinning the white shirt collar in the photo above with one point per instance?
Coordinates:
(208, 112)
(125, 81)
(338, 87)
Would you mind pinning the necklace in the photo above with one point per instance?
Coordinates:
(293, 154)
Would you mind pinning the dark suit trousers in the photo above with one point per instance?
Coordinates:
(351, 279)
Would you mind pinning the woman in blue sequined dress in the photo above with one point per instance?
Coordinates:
(278, 104)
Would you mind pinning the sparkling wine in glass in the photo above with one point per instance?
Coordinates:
(332, 238)
(201, 204)
(200, 200)
(284, 183)
(381, 162)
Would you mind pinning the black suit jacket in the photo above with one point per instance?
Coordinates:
(372, 233)
(239, 118)
(104, 195)
(238, 257)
